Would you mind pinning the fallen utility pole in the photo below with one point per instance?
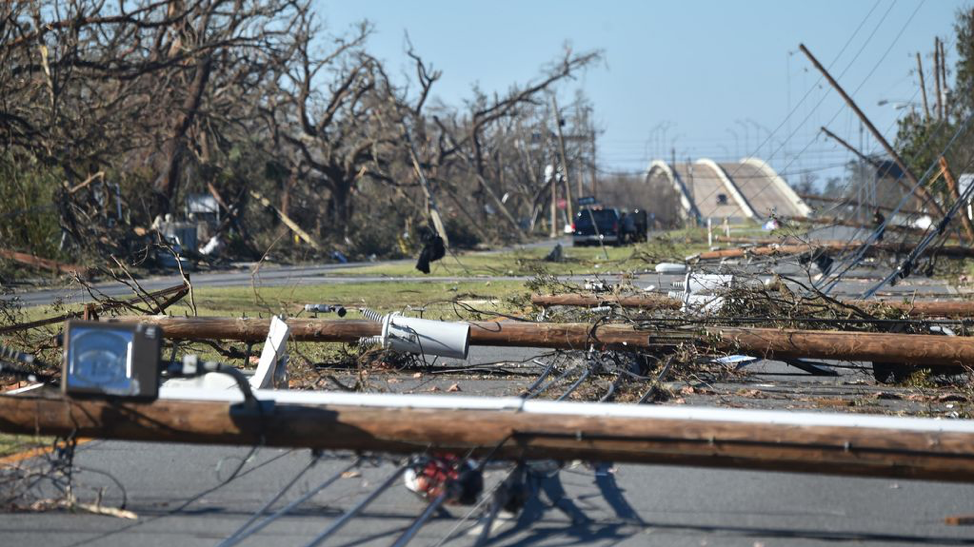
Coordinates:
(512, 428)
(44, 263)
(832, 221)
(305, 236)
(171, 295)
(769, 250)
(909, 349)
(962, 308)
(949, 251)
(912, 349)
(595, 300)
(854, 201)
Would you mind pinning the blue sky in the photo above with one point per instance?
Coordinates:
(705, 70)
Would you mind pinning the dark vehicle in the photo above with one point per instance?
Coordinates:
(635, 226)
(607, 221)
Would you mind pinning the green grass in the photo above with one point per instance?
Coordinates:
(383, 296)
(12, 444)
(675, 246)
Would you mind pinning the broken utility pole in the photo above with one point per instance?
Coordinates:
(287, 221)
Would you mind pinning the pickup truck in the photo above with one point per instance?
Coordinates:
(606, 220)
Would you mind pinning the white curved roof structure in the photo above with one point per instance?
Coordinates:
(749, 189)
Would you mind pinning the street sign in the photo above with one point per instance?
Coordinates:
(587, 200)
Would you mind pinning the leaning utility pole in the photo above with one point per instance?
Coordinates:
(850, 148)
(871, 161)
(920, 190)
(564, 159)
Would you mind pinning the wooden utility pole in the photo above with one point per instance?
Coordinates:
(923, 87)
(908, 448)
(564, 159)
(54, 266)
(594, 300)
(943, 74)
(554, 203)
(594, 166)
(955, 195)
(912, 309)
(914, 349)
(581, 122)
(936, 74)
(871, 161)
(831, 221)
(920, 190)
(157, 302)
(947, 251)
(849, 201)
(305, 236)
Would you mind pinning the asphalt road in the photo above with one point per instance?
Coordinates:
(176, 491)
(182, 497)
